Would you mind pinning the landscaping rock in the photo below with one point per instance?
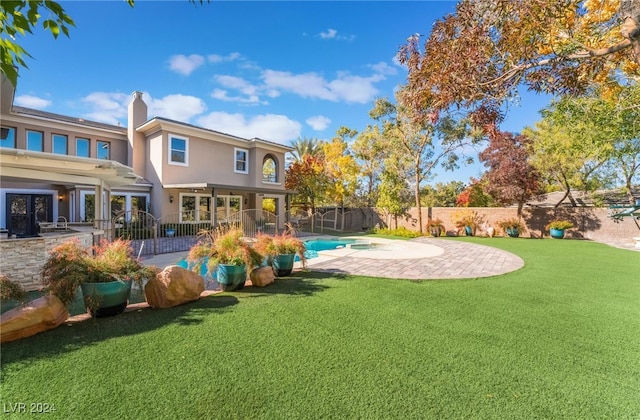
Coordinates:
(262, 276)
(173, 286)
(36, 316)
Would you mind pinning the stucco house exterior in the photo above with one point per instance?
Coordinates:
(60, 167)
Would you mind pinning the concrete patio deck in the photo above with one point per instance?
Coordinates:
(415, 259)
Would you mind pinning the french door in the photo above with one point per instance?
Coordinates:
(25, 210)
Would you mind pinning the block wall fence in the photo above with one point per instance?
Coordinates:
(593, 224)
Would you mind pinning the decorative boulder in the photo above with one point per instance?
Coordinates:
(173, 286)
(36, 316)
(262, 276)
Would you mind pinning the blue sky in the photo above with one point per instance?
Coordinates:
(275, 70)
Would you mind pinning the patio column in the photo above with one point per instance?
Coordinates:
(214, 197)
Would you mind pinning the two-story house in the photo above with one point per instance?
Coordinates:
(54, 166)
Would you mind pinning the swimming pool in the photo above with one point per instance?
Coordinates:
(315, 245)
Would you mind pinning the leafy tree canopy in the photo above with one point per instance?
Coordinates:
(478, 56)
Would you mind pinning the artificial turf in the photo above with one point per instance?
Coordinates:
(559, 338)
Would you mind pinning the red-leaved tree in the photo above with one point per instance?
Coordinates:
(510, 177)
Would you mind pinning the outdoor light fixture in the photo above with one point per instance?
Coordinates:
(60, 198)
(170, 197)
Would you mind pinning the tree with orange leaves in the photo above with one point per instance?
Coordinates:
(477, 57)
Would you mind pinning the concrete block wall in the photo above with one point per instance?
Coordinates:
(22, 259)
(589, 223)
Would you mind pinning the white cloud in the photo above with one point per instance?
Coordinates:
(271, 127)
(318, 122)
(107, 107)
(233, 82)
(175, 107)
(384, 68)
(333, 34)
(216, 58)
(345, 87)
(330, 33)
(223, 95)
(31, 101)
(111, 108)
(184, 65)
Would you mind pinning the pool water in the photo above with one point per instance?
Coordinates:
(315, 245)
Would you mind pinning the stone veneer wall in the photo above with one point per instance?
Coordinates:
(22, 259)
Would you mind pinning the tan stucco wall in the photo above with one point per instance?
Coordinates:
(118, 142)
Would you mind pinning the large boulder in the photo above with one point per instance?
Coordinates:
(36, 316)
(262, 276)
(173, 286)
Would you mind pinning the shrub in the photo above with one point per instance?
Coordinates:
(401, 231)
(559, 224)
(11, 290)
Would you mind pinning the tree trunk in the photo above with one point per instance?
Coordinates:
(630, 15)
(630, 196)
(418, 200)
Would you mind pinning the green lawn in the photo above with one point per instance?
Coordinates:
(559, 338)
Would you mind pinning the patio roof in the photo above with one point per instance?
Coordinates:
(207, 185)
(64, 169)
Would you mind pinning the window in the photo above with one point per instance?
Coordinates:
(8, 137)
(269, 169)
(34, 141)
(227, 206)
(178, 150)
(195, 208)
(103, 150)
(82, 147)
(59, 144)
(241, 161)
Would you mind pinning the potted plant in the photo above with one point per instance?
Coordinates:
(281, 250)
(105, 274)
(227, 254)
(512, 227)
(435, 227)
(557, 227)
(467, 220)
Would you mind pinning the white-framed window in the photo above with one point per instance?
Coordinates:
(130, 202)
(178, 147)
(241, 161)
(195, 208)
(228, 205)
(269, 170)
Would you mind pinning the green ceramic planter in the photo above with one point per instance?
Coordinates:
(556, 233)
(283, 264)
(106, 299)
(231, 277)
(513, 233)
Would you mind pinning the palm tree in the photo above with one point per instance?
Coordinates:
(305, 146)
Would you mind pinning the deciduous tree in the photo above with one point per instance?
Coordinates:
(510, 178)
(308, 178)
(369, 151)
(340, 167)
(426, 143)
(477, 57)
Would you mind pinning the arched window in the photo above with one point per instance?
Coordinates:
(269, 169)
